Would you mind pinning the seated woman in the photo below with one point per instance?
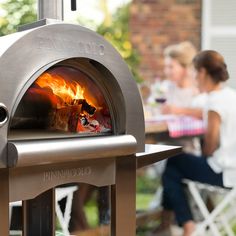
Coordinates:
(182, 95)
(217, 165)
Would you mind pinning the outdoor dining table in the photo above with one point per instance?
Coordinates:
(164, 127)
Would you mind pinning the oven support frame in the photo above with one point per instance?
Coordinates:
(119, 173)
(123, 198)
(4, 202)
(38, 213)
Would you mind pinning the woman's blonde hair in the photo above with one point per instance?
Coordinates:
(183, 52)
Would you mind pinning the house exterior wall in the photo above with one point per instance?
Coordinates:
(155, 24)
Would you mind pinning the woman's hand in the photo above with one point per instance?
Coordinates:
(170, 109)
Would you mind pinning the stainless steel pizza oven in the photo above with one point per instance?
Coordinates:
(65, 81)
(70, 112)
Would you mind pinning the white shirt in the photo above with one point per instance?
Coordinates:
(224, 158)
(174, 95)
(199, 101)
(181, 97)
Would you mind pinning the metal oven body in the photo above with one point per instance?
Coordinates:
(27, 54)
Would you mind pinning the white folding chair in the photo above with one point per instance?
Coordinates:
(64, 219)
(220, 220)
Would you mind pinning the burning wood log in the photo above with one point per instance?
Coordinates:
(67, 118)
(86, 107)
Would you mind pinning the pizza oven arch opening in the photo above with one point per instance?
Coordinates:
(76, 96)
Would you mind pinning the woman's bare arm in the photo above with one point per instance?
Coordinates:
(212, 135)
(169, 109)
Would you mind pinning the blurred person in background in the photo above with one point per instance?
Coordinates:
(217, 164)
(181, 95)
(178, 87)
(178, 94)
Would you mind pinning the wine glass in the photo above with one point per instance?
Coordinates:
(160, 100)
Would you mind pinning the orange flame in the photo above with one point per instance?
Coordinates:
(67, 91)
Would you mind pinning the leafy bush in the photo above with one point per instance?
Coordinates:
(18, 12)
(117, 33)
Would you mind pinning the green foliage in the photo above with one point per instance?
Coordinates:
(117, 33)
(18, 12)
(145, 184)
(143, 200)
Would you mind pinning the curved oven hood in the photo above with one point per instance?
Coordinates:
(26, 55)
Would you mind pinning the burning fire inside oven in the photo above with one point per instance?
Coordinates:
(64, 99)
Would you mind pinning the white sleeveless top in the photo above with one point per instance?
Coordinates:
(224, 158)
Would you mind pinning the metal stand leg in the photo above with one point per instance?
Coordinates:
(39, 215)
(4, 202)
(123, 198)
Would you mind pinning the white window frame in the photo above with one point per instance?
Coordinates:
(208, 30)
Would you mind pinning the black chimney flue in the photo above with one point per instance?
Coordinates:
(73, 5)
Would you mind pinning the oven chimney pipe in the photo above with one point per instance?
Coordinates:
(73, 5)
(50, 9)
